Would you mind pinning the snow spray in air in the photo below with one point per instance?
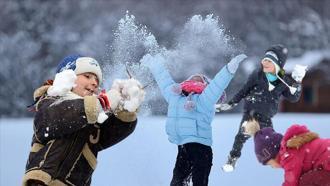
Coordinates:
(131, 42)
(201, 46)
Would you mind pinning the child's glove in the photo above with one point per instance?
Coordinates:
(224, 107)
(232, 66)
(104, 101)
(299, 73)
(148, 59)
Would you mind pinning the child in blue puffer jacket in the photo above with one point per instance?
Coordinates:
(189, 116)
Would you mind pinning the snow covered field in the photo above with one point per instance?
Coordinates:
(146, 158)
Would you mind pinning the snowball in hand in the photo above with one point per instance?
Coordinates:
(126, 94)
(63, 83)
(115, 98)
(133, 91)
(299, 72)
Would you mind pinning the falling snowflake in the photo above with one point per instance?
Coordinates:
(267, 137)
(307, 150)
(47, 128)
(286, 155)
(46, 134)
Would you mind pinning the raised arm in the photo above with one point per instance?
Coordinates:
(214, 90)
(160, 73)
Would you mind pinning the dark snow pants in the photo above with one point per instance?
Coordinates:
(194, 161)
(241, 138)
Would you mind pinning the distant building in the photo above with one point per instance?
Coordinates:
(316, 86)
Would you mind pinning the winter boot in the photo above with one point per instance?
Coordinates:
(230, 165)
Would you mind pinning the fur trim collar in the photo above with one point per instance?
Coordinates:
(41, 91)
(300, 140)
(68, 96)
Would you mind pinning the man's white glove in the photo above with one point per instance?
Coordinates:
(223, 107)
(299, 73)
(233, 65)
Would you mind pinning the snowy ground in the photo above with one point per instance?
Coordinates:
(146, 158)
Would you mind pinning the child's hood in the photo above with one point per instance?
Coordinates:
(298, 135)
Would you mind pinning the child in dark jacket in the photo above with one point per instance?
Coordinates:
(189, 117)
(304, 156)
(261, 94)
(72, 124)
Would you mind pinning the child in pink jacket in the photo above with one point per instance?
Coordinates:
(304, 156)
